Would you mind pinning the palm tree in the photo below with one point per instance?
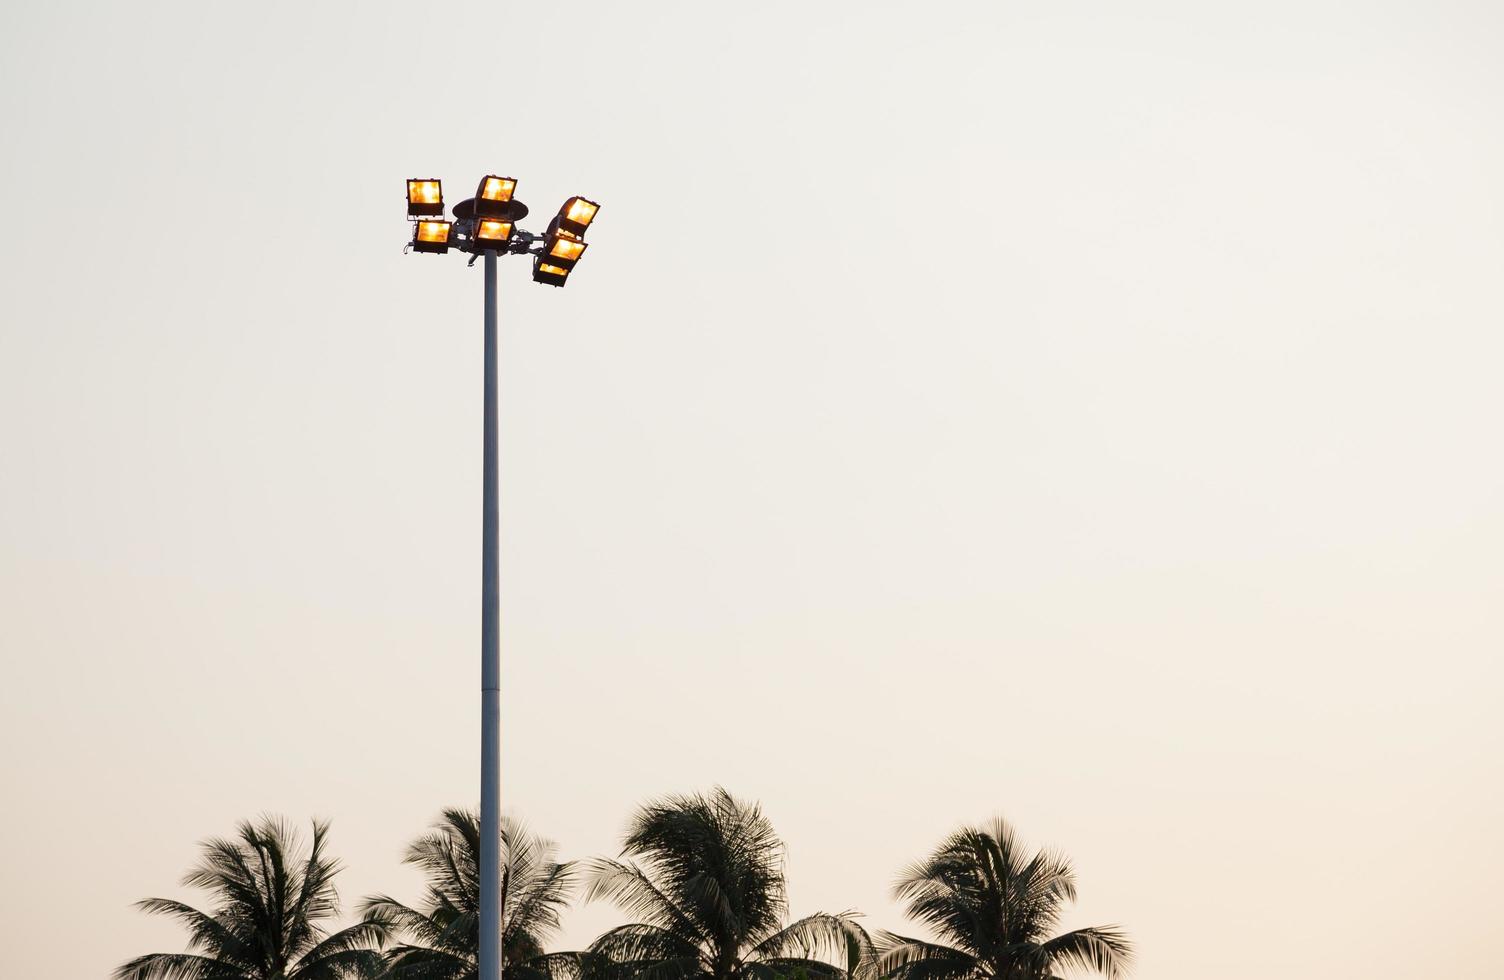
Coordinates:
(704, 874)
(270, 901)
(445, 932)
(994, 909)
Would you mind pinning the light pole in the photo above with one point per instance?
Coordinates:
(485, 226)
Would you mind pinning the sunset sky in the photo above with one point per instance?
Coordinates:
(1085, 412)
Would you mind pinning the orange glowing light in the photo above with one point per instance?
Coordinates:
(433, 231)
(494, 231)
(567, 248)
(582, 211)
(497, 188)
(424, 192)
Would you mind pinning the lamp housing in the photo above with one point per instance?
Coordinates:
(493, 197)
(491, 235)
(432, 236)
(563, 250)
(575, 216)
(425, 197)
(549, 274)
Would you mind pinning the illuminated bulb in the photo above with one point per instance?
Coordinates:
(575, 216)
(493, 197)
(497, 188)
(582, 211)
(432, 237)
(424, 197)
(549, 274)
(492, 232)
(567, 249)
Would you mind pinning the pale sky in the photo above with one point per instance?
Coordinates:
(1087, 413)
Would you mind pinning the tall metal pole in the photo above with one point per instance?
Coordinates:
(490, 671)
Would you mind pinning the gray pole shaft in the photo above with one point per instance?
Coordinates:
(490, 672)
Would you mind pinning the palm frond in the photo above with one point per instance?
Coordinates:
(943, 894)
(205, 933)
(397, 919)
(310, 888)
(914, 959)
(539, 887)
(672, 968)
(789, 967)
(177, 966)
(629, 888)
(642, 942)
(422, 963)
(572, 965)
(369, 934)
(348, 964)
(834, 941)
(1103, 949)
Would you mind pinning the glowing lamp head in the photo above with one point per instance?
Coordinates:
(549, 274)
(495, 188)
(493, 196)
(492, 234)
(575, 216)
(432, 236)
(563, 251)
(424, 197)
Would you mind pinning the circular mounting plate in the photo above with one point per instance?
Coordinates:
(465, 210)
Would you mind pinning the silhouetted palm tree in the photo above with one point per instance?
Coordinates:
(266, 923)
(994, 910)
(445, 932)
(705, 876)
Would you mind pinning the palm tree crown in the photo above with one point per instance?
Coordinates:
(994, 909)
(704, 875)
(270, 904)
(445, 932)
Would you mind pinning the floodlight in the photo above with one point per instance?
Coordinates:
(424, 197)
(550, 275)
(432, 236)
(564, 250)
(493, 196)
(575, 216)
(491, 233)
